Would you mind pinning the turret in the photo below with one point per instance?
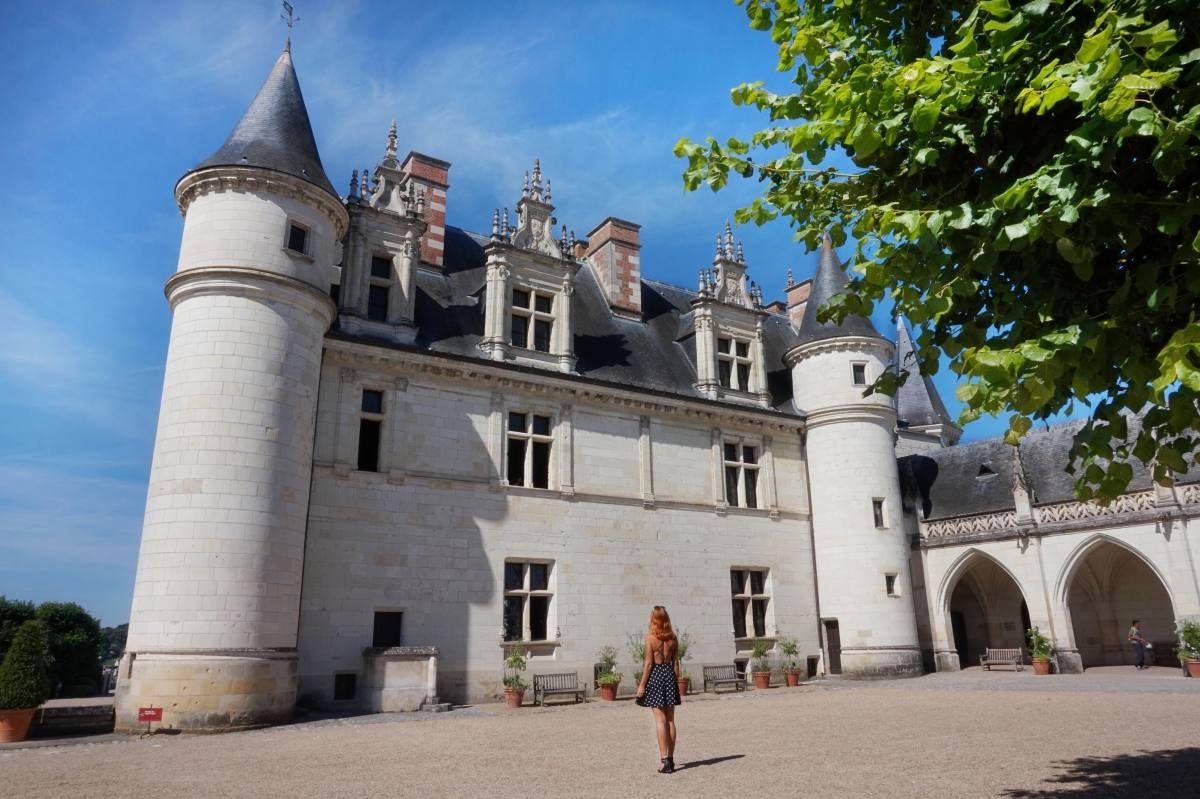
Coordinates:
(862, 554)
(212, 636)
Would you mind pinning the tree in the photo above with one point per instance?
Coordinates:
(74, 646)
(13, 613)
(113, 642)
(24, 676)
(1024, 190)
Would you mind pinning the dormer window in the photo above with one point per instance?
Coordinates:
(297, 240)
(379, 289)
(532, 319)
(733, 363)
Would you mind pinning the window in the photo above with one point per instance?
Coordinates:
(532, 320)
(889, 584)
(750, 600)
(529, 442)
(527, 596)
(370, 428)
(345, 687)
(877, 510)
(379, 289)
(387, 628)
(741, 475)
(733, 363)
(860, 373)
(297, 240)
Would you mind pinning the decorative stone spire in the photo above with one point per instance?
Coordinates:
(717, 249)
(389, 156)
(525, 188)
(727, 249)
(729, 267)
(364, 188)
(352, 195)
(535, 216)
(741, 259)
(505, 230)
(495, 223)
(537, 179)
(791, 281)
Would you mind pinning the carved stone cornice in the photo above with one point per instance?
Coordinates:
(496, 376)
(1136, 507)
(256, 179)
(841, 344)
(254, 283)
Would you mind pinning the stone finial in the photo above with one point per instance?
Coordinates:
(389, 156)
(717, 251)
(537, 178)
(703, 287)
(525, 188)
(353, 193)
(727, 249)
(495, 223)
(421, 204)
(547, 195)
(790, 280)
(505, 230)
(364, 191)
(740, 257)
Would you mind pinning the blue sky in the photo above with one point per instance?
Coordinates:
(105, 105)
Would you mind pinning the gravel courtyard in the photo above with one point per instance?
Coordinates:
(1106, 733)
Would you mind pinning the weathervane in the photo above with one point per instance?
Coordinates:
(290, 20)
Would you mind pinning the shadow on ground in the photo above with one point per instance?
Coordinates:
(712, 761)
(1140, 774)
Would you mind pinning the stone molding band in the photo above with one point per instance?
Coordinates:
(873, 414)
(255, 179)
(241, 281)
(840, 344)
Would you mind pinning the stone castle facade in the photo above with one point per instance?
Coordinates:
(379, 429)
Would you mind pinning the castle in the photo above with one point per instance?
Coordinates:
(382, 430)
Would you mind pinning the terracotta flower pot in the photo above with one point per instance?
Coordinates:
(513, 697)
(684, 684)
(1193, 668)
(762, 679)
(1041, 666)
(14, 724)
(793, 677)
(608, 691)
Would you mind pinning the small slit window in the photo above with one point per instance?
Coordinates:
(297, 238)
(877, 512)
(889, 584)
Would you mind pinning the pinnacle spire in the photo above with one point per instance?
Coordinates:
(917, 401)
(274, 133)
(830, 279)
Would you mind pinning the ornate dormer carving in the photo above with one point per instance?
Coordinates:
(728, 323)
(387, 222)
(530, 280)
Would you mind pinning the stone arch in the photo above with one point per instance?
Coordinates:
(982, 604)
(1104, 583)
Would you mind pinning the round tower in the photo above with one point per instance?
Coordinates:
(862, 553)
(212, 633)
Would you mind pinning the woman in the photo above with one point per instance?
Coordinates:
(658, 689)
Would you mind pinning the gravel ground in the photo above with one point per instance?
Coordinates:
(970, 734)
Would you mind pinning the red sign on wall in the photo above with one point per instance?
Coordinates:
(150, 714)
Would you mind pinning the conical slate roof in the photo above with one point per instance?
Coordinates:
(275, 133)
(830, 279)
(918, 401)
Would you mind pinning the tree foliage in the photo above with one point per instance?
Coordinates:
(24, 672)
(13, 613)
(1025, 192)
(74, 645)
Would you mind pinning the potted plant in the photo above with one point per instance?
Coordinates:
(683, 680)
(24, 680)
(791, 654)
(608, 679)
(1040, 650)
(759, 664)
(1189, 646)
(514, 683)
(636, 645)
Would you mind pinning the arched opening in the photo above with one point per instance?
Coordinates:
(1110, 587)
(986, 609)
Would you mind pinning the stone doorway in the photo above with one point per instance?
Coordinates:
(986, 609)
(1109, 588)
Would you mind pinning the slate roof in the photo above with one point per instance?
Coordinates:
(918, 402)
(831, 279)
(274, 132)
(655, 354)
(948, 482)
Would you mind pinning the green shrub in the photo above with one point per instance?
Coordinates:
(758, 654)
(75, 643)
(791, 652)
(514, 665)
(1040, 645)
(24, 674)
(1189, 638)
(609, 678)
(13, 613)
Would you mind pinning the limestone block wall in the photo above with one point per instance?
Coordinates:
(432, 544)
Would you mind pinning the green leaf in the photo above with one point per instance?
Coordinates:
(925, 115)
(1094, 46)
(1017, 230)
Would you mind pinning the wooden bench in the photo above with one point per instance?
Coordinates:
(1002, 657)
(723, 675)
(555, 684)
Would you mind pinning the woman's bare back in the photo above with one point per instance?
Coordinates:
(662, 651)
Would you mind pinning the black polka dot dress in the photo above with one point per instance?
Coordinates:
(662, 690)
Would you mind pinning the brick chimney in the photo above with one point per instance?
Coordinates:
(797, 299)
(614, 254)
(431, 176)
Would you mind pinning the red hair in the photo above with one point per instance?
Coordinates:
(660, 624)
